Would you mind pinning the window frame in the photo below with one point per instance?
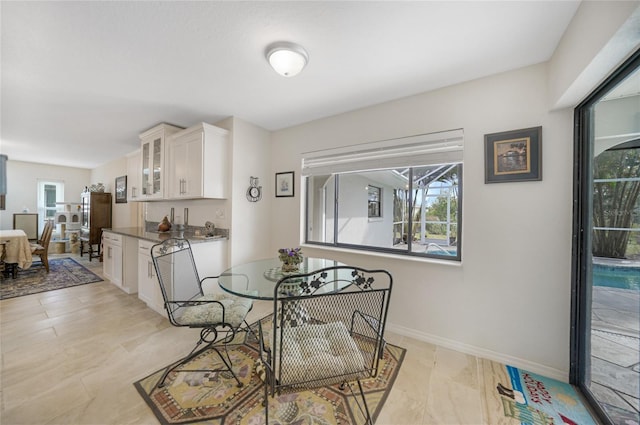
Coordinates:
(41, 199)
(377, 202)
(455, 259)
(437, 157)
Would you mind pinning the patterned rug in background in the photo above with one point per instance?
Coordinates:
(516, 396)
(63, 273)
(214, 398)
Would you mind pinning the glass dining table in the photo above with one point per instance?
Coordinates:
(258, 279)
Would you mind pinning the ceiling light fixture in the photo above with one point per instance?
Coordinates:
(286, 58)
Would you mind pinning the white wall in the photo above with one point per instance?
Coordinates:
(510, 299)
(354, 224)
(601, 35)
(123, 214)
(200, 211)
(250, 221)
(22, 186)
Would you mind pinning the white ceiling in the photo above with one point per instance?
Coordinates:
(81, 80)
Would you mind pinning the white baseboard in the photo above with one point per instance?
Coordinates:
(528, 365)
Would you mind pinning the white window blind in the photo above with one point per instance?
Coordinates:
(426, 149)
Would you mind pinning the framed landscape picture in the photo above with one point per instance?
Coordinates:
(513, 156)
(285, 184)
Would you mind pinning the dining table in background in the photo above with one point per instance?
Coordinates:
(18, 251)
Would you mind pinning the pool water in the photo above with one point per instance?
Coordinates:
(616, 277)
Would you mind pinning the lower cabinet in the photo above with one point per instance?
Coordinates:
(148, 285)
(112, 257)
(120, 261)
(210, 259)
(127, 264)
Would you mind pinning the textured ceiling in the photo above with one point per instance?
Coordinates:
(80, 80)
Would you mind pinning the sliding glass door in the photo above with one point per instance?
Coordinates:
(605, 332)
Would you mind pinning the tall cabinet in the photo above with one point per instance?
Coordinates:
(96, 215)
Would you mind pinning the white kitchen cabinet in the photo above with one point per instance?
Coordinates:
(134, 173)
(120, 261)
(152, 159)
(148, 286)
(210, 258)
(112, 257)
(198, 163)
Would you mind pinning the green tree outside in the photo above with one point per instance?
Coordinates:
(615, 202)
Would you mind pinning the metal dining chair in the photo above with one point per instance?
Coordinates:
(219, 316)
(318, 337)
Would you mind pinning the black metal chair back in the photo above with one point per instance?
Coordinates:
(218, 315)
(177, 275)
(321, 336)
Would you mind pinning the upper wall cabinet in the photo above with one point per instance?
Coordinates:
(197, 163)
(133, 176)
(153, 161)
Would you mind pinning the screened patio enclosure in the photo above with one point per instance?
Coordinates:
(400, 209)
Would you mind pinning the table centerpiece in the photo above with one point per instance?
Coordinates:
(291, 258)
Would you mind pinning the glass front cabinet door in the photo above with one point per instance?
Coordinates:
(153, 161)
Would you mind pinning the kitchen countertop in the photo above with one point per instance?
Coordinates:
(142, 233)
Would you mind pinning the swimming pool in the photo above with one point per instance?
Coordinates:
(616, 277)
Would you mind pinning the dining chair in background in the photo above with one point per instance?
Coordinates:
(41, 248)
(27, 222)
(3, 255)
(318, 337)
(219, 316)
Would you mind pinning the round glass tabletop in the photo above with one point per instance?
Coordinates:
(258, 279)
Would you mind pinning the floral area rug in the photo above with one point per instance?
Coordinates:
(63, 273)
(214, 398)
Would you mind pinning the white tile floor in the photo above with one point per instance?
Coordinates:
(71, 357)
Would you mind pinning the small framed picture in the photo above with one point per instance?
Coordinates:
(285, 184)
(513, 156)
(121, 190)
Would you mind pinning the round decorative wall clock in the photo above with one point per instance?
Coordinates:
(254, 192)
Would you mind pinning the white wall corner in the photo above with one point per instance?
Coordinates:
(600, 37)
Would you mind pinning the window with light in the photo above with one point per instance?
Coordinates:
(401, 196)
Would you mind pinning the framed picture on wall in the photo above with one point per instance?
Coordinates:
(285, 184)
(121, 190)
(513, 156)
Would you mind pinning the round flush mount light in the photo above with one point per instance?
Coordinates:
(286, 58)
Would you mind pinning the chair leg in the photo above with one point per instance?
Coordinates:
(368, 419)
(247, 328)
(266, 402)
(183, 360)
(45, 261)
(196, 352)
